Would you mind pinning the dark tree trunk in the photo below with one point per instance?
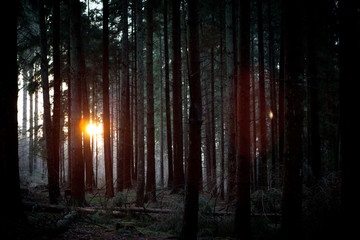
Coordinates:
(190, 222)
(125, 102)
(242, 209)
(349, 37)
(229, 30)
(293, 150)
(150, 176)
(9, 160)
(177, 103)
(53, 179)
(140, 98)
(167, 99)
(77, 166)
(263, 183)
(106, 115)
(316, 44)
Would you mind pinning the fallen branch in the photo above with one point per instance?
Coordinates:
(117, 211)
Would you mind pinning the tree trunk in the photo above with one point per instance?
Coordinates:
(293, 150)
(77, 165)
(242, 209)
(57, 92)
(161, 117)
(177, 102)
(106, 121)
(140, 98)
(31, 136)
(349, 37)
(52, 181)
(229, 30)
(150, 129)
(212, 118)
(125, 103)
(263, 183)
(316, 43)
(167, 99)
(9, 160)
(190, 222)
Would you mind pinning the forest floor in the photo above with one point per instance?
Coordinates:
(118, 218)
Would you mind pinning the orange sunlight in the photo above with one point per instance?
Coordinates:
(93, 129)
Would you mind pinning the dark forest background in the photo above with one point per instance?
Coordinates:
(213, 119)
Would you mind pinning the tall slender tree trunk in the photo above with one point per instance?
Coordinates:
(140, 98)
(31, 135)
(24, 99)
(316, 43)
(229, 30)
(167, 99)
(177, 102)
(212, 118)
(77, 164)
(150, 129)
(57, 92)
(221, 127)
(125, 130)
(53, 184)
(190, 222)
(106, 121)
(242, 210)
(263, 183)
(293, 151)
(161, 117)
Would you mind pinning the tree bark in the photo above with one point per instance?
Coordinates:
(167, 99)
(77, 164)
(140, 98)
(125, 102)
(57, 92)
(293, 151)
(242, 226)
(150, 174)
(106, 121)
(263, 183)
(52, 181)
(229, 31)
(177, 102)
(9, 160)
(190, 222)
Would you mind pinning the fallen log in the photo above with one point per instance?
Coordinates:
(118, 211)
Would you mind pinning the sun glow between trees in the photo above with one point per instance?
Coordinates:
(93, 129)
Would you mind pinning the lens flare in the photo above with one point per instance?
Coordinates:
(271, 115)
(92, 129)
